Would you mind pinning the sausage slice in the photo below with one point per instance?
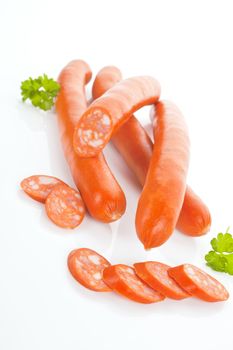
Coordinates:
(155, 274)
(86, 266)
(198, 283)
(65, 207)
(38, 187)
(123, 280)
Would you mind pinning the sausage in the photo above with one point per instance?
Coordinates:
(86, 266)
(131, 140)
(136, 147)
(155, 274)
(195, 218)
(38, 187)
(163, 193)
(198, 283)
(100, 191)
(123, 280)
(106, 78)
(106, 114)
(65, 207)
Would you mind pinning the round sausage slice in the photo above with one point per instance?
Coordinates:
(123, 280)
(87, 266)
(38, 187)
(198, 283)
(156, 276)
(65, 207)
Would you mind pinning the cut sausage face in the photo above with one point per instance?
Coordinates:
(155, 274)
(38, 187)
(106, 114)
(198, 283)
(92, 135)
(123, 280)
(87, 266)
(64, 206)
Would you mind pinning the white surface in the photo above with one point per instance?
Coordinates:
(187, 45)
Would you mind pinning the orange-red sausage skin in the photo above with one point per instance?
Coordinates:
(100, 191)
(136, 147)
(106, 114)
(162, 196)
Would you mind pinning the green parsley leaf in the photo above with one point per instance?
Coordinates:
(229, 266)
(221, 257)
(40, 91)
(223, 243)
(216, 261)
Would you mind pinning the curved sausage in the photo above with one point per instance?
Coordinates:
(38, 187)
(198, 283)
(136, 147)
(106, 114)
(100, 191)
(162, 196)
(195, 218)
(123, 280)
(65, 207)
(155, 274)
(106, 78)
(86, 266)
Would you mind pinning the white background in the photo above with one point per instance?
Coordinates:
(187, 45)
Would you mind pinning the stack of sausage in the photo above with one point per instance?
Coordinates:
(165, 202)
(161, 169)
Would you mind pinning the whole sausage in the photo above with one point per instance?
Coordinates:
(100, 191)
(86, 266)
(131, 140)
(106, 78)
(136, 147)
(38, 187)
(195, 218)
(162, 196)
(155, 274)
(106, 114)
(123, 280)
(198, 283)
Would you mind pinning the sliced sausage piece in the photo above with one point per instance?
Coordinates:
(100, 190)
(163, 194)
(65, 207)
(123, 280)
(106, 114)
(38, 187)
(136, 147)
(156, 276)
(86, 266)
(198, 283)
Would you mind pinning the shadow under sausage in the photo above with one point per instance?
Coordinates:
(111, 301)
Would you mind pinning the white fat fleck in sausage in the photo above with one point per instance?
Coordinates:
(35, 187)
(106, 120)
(97, 276)
(94, 258)
(95, 143)
(45, 180)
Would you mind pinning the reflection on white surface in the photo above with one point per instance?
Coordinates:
(114, 227)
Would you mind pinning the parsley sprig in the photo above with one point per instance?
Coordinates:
(221, 257)
(40, 91)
